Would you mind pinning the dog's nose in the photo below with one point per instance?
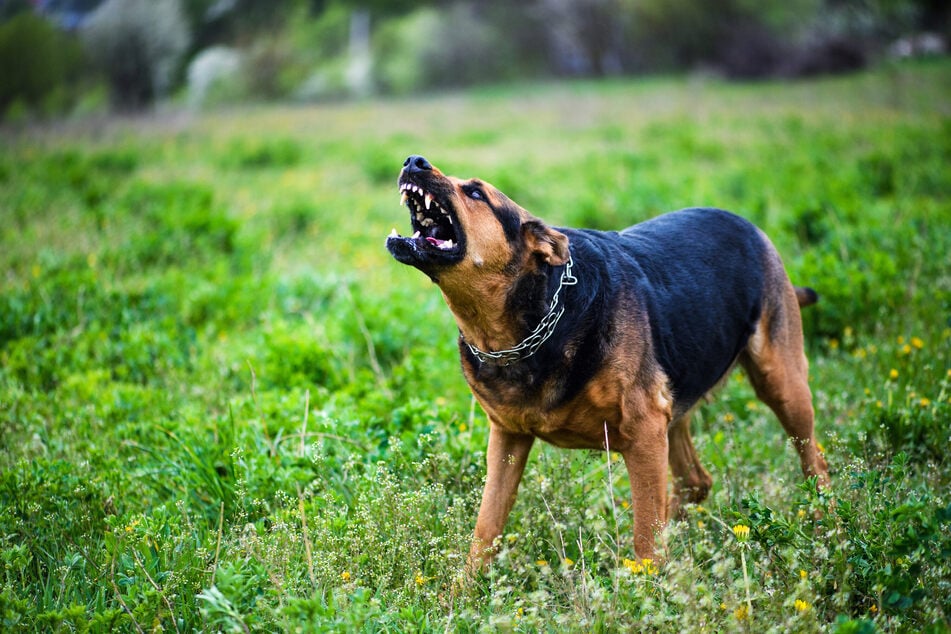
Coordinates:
(417, 163)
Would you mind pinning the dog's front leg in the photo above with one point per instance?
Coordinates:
(646, 461)
(505, 462)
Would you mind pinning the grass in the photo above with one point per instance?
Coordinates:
(223, 406)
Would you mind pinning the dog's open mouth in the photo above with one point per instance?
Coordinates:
(436, 239)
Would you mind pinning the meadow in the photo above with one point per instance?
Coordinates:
(224, 407)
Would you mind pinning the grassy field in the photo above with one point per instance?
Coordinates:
(224, 407)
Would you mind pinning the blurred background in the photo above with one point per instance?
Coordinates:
(76, 57)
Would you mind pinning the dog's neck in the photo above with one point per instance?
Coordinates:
(500, 312)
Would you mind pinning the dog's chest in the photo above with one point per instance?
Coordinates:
(577, 424)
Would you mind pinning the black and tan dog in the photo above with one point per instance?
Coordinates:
(590, 339)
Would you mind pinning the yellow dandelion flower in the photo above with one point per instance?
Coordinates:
(633, 565)
(463, 427)
(803, 575)
(568, 561)
(728, 418)
(873, 608)
(906, 349)
(519, 613)
(924, 402)
(741, 613)
(541, 562)
(879, 404)
(834, 344)
(421, 580)
(801, 513)
(801, 606)
(701, 525)
(900, 340)
(847, 332)
(742, 532)
(917, 343)
(893, 374)
(345, 576)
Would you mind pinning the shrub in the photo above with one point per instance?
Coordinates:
(214, 76)
(138, 45)
(461, 47)
(37, 63)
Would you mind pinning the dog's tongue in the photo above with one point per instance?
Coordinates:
(439, 244)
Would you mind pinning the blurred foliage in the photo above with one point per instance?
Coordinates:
(328, 49)
(39, 65)
(138, 45)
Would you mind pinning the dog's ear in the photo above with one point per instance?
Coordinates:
(550, 245)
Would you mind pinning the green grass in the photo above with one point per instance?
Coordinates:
(224, 407)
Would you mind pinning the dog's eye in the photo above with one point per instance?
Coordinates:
(476, 194)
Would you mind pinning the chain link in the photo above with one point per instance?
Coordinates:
(540, 335)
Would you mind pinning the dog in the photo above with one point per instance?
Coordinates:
(606, 340)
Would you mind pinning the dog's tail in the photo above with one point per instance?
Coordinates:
(806, 296)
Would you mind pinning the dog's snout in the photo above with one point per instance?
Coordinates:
(416, 163)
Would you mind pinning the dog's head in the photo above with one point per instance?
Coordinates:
(463, 227)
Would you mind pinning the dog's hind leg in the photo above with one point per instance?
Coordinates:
(691, 481)
(778, 370)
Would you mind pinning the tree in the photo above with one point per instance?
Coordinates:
(138, 44)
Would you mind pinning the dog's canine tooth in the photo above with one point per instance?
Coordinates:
(428, 200)
(393, 233)
(403, 198)
(416, 235)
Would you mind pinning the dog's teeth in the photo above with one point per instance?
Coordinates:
(393, 233)
(429, 200)
(447, 244)
(416, 235)
(450, 218)
(403, 198)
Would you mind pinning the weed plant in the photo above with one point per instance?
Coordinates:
(223, 407)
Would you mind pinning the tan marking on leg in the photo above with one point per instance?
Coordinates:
(505, 462)
(646, 459)
(778, 370)
(691, 481)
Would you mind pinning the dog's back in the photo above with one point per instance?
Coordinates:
(700, 276)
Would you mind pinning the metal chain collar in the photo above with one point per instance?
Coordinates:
(540, 335)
